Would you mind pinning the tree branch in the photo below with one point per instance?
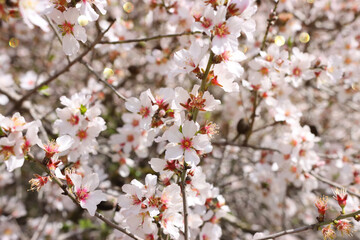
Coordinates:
(102, 80)
(149, 38)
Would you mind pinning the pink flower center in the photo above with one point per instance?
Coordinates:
(82, 194)
(186, 143)
(130, 138)
(82, 134)
(297, 71)
(67, 28)
(221, 30)
(206, 23)
(144, 111)
(264, 71)
(52, 148)
(74, 120)
(7, 151)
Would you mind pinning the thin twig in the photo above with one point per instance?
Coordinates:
(63, 70)
(40, 227)
(102, 80)
(150, 38)
(219, 143)
(183, 193)
(331, 183)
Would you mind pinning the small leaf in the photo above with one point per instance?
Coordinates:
(83, 109)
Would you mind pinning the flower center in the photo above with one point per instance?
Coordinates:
(82, 134)
(186, 143)
(144, 111)
(221, 30)
(74, 120)
(206, 23)
(264, 71)
(297, 71)
(82, 194)
(66, 28)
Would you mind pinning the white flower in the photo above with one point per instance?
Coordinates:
(70, 30)
(84, 191)
(31, 11)
(186, 143)
(61, 145)
(29, 80)
(88, 11)
(143, 107)
(188, 60)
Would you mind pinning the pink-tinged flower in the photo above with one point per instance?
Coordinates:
(143, 107)
(186, 143)
(188, 60)
(328, 233)
(70, 30)
(84, 190)
(225, 32)
(87, 10)
(195, 99)
(59, 146)
(340, 196)
(29, 80)
(344, 226)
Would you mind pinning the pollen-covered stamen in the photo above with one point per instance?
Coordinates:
(186, 143)
(82, 194)
(144, 111)
(82, 134)
(67, 28)
(221, 30)
(197, 101)
(297, 72)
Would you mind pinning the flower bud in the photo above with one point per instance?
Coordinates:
(108, 73)
(340, 196)
(82, 20)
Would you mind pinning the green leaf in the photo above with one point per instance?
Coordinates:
(44, 90)
(83, 109)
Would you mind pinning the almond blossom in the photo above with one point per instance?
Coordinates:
(186, 143)
(69, 29)
(84, 190)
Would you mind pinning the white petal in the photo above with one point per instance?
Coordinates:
(174, 152)
(64, 142)
(80, 33)
(192, 157)
(70, 44)
(189, 129)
